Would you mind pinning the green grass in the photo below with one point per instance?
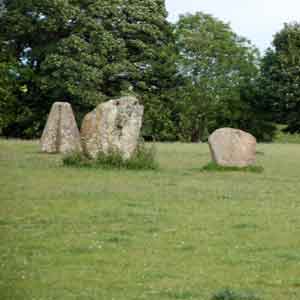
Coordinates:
(213, 167)
(172, 233)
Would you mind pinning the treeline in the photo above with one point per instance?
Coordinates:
(192, 77)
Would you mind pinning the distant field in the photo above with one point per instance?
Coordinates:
(177, 233)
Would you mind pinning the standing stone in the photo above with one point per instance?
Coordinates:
(61, 134)
(232, 147)
(89, 140)
(114, 126)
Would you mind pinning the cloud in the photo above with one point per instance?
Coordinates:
(257, 20)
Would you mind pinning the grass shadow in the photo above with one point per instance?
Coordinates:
(260, 153)
(230, 294)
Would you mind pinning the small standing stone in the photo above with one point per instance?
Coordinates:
(61, 134)
(114, 126)
(232, 147)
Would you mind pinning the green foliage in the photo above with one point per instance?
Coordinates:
(15, 119)
(76, 159)
(281, 77)
(229, 294)
(192, 78)
(221, 71)
(86, 52)
(7, 98)
(143, 159)
(213, 167)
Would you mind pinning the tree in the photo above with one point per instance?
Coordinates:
(29, 31)
(218, 67)
(281, 77)
(85, 52)
(11, 87)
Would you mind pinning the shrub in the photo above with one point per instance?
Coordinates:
(142, 159)
(76, 159)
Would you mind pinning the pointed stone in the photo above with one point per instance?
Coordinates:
(114, 126)
(61, 134)
(232, 147)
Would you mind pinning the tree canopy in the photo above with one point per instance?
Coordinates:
(84, 52)
(218, 66)
(192, 77)
(281, 77)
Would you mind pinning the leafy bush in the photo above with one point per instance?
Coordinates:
(76, 159)
(213, 167)
(229, 294)
(142, 159)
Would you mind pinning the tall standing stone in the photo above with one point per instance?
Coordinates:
(232, 147)
(61, 134)
(89, 134)
(114, 126)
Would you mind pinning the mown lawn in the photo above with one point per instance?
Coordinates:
(176, 233)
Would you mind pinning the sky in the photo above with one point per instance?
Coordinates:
(256, 20)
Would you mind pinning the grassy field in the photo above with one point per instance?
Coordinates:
(176, 233)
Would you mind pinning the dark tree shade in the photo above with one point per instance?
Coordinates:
(85, 52)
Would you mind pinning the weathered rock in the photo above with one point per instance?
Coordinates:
(61, 134)
(114, 126)
(232, 147)
(88, 132)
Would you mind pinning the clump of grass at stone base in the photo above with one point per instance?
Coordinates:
(144, 158)
(230, 294)
(213, 167)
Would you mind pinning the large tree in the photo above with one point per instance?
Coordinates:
(85, 52)
(281, 77)
(220, 69)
